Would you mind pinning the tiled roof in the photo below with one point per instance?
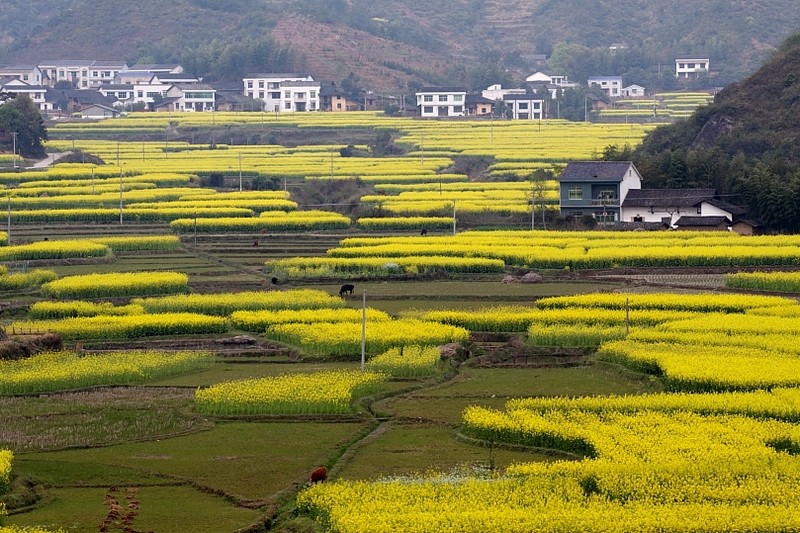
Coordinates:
(299, 84)
(524, 97)
(667, 197)
(595, 171)
(442, 90)
(698, 221)
(277, 75)
(734, 210)
(478, 99)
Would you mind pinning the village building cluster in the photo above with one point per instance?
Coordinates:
(102, 89)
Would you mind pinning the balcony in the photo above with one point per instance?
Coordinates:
(605, 202)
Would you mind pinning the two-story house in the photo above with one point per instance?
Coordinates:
(267, 88)
(192, 97)
(36, 93)
(299, 96)
(611, 85)
(596, 189)
(524, 106)
(691, 67)
(442, 101)
(331, 98)
(30, 74)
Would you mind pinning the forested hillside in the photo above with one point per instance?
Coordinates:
(389, 44)
(746, 144)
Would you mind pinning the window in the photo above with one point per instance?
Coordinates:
(287, 94)
(339, 105)
(442, 97)
(140, 94)
(458, 109)
(427, 98)
(637, 219)
(575, 192)
(251, 94)
(300, 96)
(537, 105)
(261, 94)
(272, 85)
(312, 106)
(250, 84)
(260, 84)
(523, 105)
(605, 218)
(428, 109)
(312, 94)
(524, 116)
(458, 97)
(275, 96)
(153, 94)
(122, 95)
(106, 73)
(94, 73)
(287, 105)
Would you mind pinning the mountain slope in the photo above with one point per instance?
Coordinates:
(416, 39)
(746, 144)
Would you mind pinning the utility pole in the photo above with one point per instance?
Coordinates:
(14, 152)
(240, 172)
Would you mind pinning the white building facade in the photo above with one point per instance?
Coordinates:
(267, 88)
(611, 85)
(524, 106)
(442, 101)
(691, 67)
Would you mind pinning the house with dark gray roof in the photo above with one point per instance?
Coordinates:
(597, 189)
(655, 205)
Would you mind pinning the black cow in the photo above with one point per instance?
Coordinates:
(423, 232)
(346, 289)
(274, 281)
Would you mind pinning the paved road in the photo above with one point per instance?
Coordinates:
(50, 159)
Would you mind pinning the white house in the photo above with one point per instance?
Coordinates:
(691, 67)
(81, 73)
(496, 92)
(299, 96)
(122, 92)
(36, 93)
(148, 93)
(192, 97)
(670, 205)
(30, 74)
(611, 85)
(633, 91)
(157, 68)
(102, 72)
(441, 101)
(562, 80)
(524, 106)
(267, 88)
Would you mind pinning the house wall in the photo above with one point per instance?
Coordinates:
(442, 104)
(691, 67)
(611, 85)
(708, 210)
(268, 90)
(632, 180)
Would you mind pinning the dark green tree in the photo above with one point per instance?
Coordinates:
(20, 116)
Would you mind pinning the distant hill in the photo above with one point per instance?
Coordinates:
(389, 44)
(746, 144)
